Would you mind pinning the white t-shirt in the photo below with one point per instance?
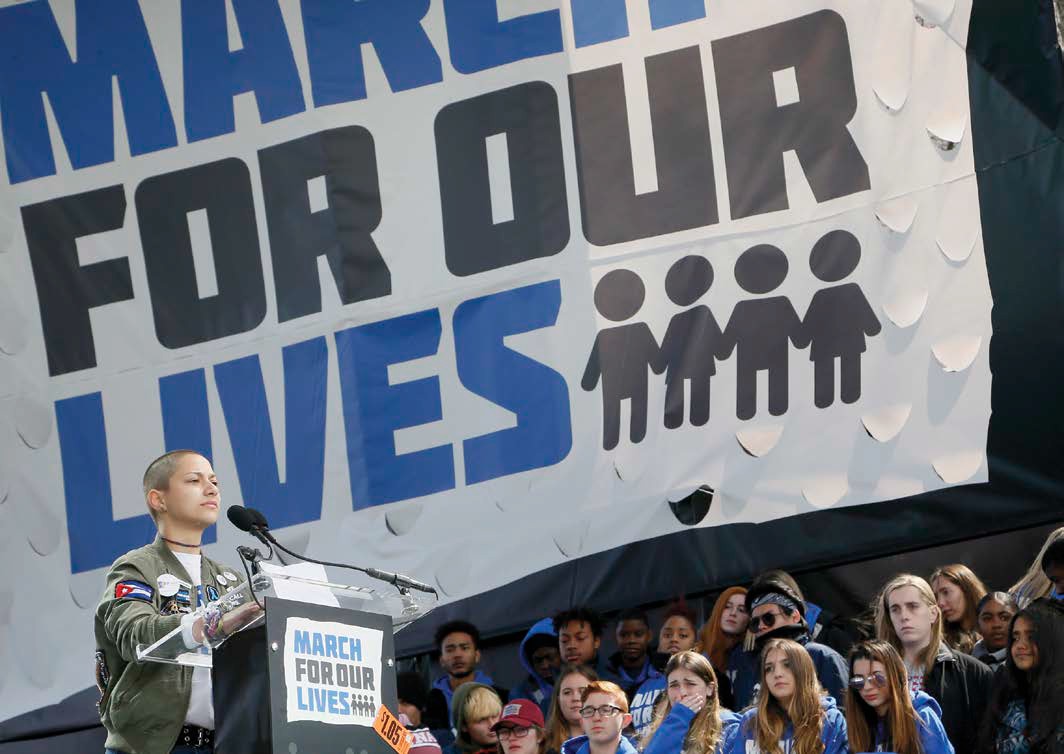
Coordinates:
(201, 701)
(916, 677)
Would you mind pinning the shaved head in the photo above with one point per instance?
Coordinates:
(157, 475)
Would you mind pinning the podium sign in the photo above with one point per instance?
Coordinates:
(320, 673)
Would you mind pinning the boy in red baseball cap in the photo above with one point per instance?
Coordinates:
(520, 728)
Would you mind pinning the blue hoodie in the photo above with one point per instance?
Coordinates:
(832, 733)
(580, 745)
(933, 738)
(534, 687)
(642, 706)
(669, 737)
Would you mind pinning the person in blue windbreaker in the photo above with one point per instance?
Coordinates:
(691, 719)
(539, 655)
(794, 714)
(882, 714)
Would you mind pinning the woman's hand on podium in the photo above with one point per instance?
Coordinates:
(214, 627)
(235, 620)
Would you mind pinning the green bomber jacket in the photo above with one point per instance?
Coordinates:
(143, 704)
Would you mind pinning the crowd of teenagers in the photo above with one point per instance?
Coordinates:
(940, 665)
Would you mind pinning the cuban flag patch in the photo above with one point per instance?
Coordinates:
(133, 590)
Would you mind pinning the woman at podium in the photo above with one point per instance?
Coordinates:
(155, 708)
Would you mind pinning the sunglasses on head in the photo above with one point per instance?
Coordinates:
(875, 680)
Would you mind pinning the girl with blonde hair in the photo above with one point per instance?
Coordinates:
(957, 592)
(793, 713)
(691, 719)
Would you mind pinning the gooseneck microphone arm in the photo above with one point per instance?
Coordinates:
(253, 522)
(395, 579)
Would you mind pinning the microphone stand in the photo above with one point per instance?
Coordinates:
(252, 557)
(400, 582)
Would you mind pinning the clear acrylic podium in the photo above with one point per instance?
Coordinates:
(298, 676)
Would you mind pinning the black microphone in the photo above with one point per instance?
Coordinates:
(252, 521)
(399, 580)
(257, 518)
(248, 519)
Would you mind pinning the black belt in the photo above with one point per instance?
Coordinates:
(192, 735)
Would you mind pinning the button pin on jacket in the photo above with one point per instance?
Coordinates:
(168, 585)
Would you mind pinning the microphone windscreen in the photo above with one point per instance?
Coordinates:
(257, 518)
(241, 517)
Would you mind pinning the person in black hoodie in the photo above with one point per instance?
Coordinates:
(908, 617)
(776, 612)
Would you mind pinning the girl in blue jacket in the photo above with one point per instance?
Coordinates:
(793, 714)
(691, 719)
(882, 714)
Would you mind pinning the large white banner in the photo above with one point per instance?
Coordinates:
(464, 289)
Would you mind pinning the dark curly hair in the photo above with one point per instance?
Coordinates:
(580, 615)
(454, 627)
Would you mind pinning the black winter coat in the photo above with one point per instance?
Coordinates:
(961, 685)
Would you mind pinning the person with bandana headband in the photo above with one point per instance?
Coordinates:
(776, 612)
